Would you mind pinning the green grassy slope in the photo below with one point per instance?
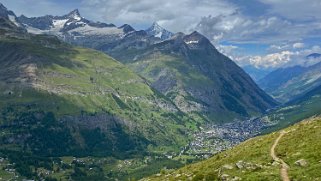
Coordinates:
(302, 141)
(82, 87)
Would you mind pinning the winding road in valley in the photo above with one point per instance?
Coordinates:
(284, 167)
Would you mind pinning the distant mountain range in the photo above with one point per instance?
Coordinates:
(286, 84)
(258, 73)
(74, 28)
(73, 25)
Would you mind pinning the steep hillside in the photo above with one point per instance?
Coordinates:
(293, 152)
(285, 84)
(189, 70)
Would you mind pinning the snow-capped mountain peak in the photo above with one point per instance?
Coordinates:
(73, 27)
(157, 31)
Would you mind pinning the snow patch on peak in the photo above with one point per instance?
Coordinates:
(191, 42)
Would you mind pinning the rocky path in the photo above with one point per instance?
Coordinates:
(284, 167)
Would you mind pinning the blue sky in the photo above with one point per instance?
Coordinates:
(264, 33)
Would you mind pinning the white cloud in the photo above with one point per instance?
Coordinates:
(283, 58)
(301, 58)
(238, 28)
(272, 60)
(298, 45)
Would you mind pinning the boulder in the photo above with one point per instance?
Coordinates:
(240, 164)
(247, 165)
(301, 163)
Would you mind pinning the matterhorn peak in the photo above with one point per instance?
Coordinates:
(157, 31)
(156, 27)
